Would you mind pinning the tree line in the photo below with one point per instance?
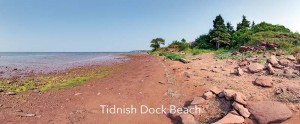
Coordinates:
(224, 35)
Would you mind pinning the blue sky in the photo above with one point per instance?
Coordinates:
(124, 25)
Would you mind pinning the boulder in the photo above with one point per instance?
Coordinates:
(241, 109)
(240, 99)
(255, 67)
(284, 62)
(183, 60)
(266, 112)
(11, 93)
(231, 119)
(271, 69)
(229, 94)
(239, 71)
(174, 116)
(187, 119)
(208, 95)
(288, 71)
(215, 90)
(280, 53)
(221, 95)
(243, 63)
(263, 81)
(273, 60)
(291, 58)
(194, 110)
(198, 100)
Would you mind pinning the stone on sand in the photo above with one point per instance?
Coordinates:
(241, 109)
(271, 69)
(255, 67)
(208, 95)
(273, 60)
(264, 81)
(240, 99)
(269, 112)
(240, 71)
(187, 119)
(198, 100)
(291, 57)
(229, 94)
(284, 62)
(231, 119)
(215, 90)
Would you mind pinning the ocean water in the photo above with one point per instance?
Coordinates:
(44, 62)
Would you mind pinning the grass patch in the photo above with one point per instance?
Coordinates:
(223, 53)
(45, 82)
(196, 51)
(227, 54)
(172, 55)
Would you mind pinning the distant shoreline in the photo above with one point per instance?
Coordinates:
(20, 64)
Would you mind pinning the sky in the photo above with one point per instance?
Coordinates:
(125, 25)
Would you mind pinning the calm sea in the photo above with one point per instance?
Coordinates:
(52, 61)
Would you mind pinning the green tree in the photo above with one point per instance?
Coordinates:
(253, 24)
(219, 35)
(204, 42)
(263, 26)
(241, 37)
(183, 40)
(244, 24)
(155, 43)
(229, 28)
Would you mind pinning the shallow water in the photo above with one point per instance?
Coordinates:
(44, 62)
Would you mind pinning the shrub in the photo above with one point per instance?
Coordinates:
(172, 56)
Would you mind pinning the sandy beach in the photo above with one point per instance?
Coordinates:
(139, 84)
(134, 82)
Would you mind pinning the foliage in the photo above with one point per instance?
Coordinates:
(183, 45)
(172, 55)
(155, 43)
(269, 27)
(204, 42)
(241, 37)
(223, 38)
(229, 28)
(44, 82)
(197, 51)
(244, 24)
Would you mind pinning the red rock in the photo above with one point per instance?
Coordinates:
(264, 81)
(208, 95)
(231, 119)
(174, 116)
(273, 60)
(288, 71)
(271, 69)
(229, 94)
(187, 119)
(243, 63)
(240, 71)
(255, 67)
(198, 100)
(194, 110)
(291, 57)
(215, 90)
(241, 109)
(266, 112)
(240, 99)
(284, 62)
